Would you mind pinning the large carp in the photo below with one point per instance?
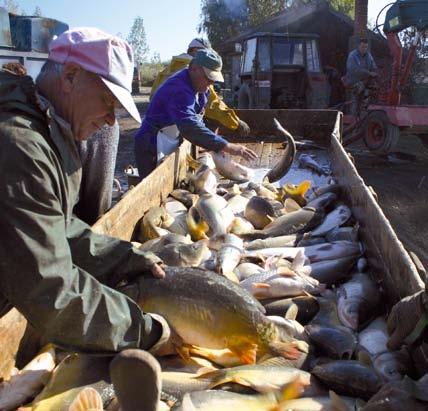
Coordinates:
(208, 310)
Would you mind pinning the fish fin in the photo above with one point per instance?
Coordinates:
(290, 391)
(292, 312)
(299, 261)
(291, 205)
(191, 162)
(364, 358)
(231, 276)
(246, 354)
(303, 187)
(291, 350)
(206, 372)
(87, 399)
(270, 218)
(241, 381)
(261, 285)
(285, 272)
(337, 404)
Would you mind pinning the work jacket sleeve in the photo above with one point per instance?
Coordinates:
(37, 272)
(217, 110)
(108, 259)
(183, 113)
(200, 135)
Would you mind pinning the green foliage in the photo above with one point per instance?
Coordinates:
(137, 39)
(343, 6)
(260, 10)
(222, 19)
(150, 70)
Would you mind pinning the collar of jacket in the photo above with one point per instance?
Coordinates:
(57, 122)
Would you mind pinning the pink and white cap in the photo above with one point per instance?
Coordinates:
(98, 52)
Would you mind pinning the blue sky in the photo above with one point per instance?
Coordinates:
(169, 24)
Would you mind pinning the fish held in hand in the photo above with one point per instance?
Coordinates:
(230, 169)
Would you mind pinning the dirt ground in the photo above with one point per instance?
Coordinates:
(400, 181)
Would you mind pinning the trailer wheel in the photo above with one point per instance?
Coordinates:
(244, 97)
(424, 140)
(381, 136)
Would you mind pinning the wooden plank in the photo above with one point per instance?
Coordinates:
(120, 221)
(12, 327)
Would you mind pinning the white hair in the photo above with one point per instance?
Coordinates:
(49, 69)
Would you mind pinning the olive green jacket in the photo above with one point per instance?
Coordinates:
(53, 268)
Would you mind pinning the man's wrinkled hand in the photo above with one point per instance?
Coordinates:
(239, 150)
(403, 319)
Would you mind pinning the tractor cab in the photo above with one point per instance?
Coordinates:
(282, 71)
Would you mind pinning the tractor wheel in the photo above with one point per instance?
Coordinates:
(381, 136)
(244, 97)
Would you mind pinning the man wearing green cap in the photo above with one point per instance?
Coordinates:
(176, 110)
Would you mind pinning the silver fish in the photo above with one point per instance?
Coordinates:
(339, 216)
(215, 212)
(185, 255)
(228, 168)
(229, 254)
(292, 223)
(332, 271)
(282, 241)
(282, 282)
(343, 234)
(314, 253)
(326, 331)
(357, 301)
(322, 201)
(392, 366)
(245, 270)
(307, 161)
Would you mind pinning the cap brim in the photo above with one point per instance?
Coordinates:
(124, 97)
(214, 75)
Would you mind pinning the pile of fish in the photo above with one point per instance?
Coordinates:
(269, 291)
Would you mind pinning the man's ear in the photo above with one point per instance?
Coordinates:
(69, 76)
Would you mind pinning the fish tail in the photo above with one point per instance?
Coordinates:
(87, 400)
(290, 391)
(303, 187)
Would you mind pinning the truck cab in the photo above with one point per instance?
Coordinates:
(282, 71)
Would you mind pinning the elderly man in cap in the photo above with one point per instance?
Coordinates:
(216, 111)
(53, 268)
(176, 110)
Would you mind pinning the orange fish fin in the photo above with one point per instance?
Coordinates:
(285, 271)
(289, 350)
(87, 399)
(247, 354)
(261, 285)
